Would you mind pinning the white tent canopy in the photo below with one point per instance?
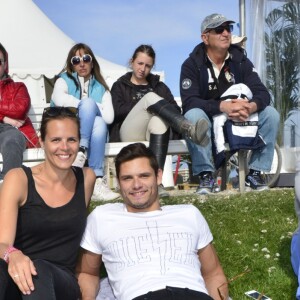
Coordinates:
(37, 48)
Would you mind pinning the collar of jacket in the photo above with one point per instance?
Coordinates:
(153, 79)
(237, 54)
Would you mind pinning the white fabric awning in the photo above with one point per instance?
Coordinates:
(35, 45)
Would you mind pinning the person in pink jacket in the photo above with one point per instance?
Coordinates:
(16, 130)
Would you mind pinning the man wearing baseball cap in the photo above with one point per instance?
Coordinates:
(214, 66)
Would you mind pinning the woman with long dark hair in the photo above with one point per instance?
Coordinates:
(80, 84)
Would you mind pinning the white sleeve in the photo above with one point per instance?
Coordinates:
(204, 234)
(106, 108)
(60, 95)
(90, 239)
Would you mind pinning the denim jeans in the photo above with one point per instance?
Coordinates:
(261, 159)
(295, 258)
(93, 131)
(12, 146)
(173, 293)
(51, 283)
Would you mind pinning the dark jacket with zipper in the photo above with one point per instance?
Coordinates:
(194, 80)
(124, 99)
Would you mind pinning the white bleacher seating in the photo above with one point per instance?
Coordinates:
(35, 155)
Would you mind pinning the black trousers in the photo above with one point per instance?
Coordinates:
(173, 293)
(51, 283)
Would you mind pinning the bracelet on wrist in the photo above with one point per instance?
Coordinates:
(8, 251)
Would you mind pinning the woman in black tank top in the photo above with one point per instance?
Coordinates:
(43, 215)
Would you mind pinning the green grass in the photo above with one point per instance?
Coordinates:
(252, 232)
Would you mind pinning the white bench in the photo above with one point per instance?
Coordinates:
(36, 155)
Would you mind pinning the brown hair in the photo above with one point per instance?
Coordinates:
(68, 68)
(147, 49)
(5, 54)
(133, 151)
(58, 113)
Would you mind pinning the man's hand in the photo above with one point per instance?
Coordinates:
(238, 109)
(13, 122)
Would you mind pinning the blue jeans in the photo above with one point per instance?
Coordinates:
(261, 159)
(12, 146)
(93, 131)
(295, 258)
(51, 283)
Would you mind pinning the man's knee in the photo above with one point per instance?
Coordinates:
(270, 113)
(196, 114)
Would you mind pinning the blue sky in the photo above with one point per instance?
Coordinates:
(114, 28)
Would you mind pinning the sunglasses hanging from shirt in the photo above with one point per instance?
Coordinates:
(86, 58)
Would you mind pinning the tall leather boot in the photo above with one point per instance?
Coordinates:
(197, 132)
(159, 145)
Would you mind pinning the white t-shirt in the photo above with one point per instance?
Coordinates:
(145, 252)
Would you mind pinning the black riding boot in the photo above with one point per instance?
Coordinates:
(197, 132)
(159, 145)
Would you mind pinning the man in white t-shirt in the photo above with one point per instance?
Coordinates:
(149, 251)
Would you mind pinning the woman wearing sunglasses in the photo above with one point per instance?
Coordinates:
(145, 109)
(80, 84)
(43, 216)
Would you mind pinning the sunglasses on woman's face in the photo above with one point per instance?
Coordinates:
(54, 111)
(220, 29)
(86, 58)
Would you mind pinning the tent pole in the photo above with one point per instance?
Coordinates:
(242, 10)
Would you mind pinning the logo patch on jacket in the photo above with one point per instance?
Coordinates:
(186, 83)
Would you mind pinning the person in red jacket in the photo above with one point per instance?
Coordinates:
(16, 130)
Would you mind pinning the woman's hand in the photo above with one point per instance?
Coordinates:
(13, 122)
(21, 269)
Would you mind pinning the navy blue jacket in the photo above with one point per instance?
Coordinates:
(194, 80)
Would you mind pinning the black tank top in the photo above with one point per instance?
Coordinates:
(52, 234)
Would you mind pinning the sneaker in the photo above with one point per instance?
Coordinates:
(207, 185)
(255, 181)
(162, 192)
(102, 192)
(79, 160)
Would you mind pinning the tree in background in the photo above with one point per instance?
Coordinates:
(282, 42)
